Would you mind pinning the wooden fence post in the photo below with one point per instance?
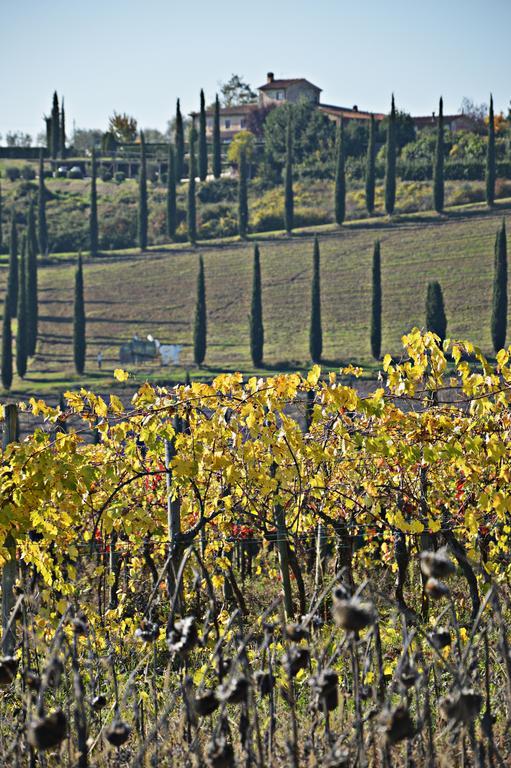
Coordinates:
(9, 572)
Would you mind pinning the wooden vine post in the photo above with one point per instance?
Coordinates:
(173, 512)
(283, 550)
(9, 572)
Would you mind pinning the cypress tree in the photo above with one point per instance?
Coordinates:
(499, 302)
(62, 140)
(242, 195)
(142, 197)
(217, 146)
(340, 177)
(171, 195)
(180, 143)
(191, 213)
(200, 328)
(376, 303)
(371, 167)
(93, 217)
(12, 280)
(21, 333)
(256, 314)
(436, 320)
(79, 332)
(55, 127)
(438, 169)
(490, 158)
(316, 334)
(41, 210)
(1, 230)
(6, 347)
(203, 144)
(288, 180)
(32, 291)
(390, 163)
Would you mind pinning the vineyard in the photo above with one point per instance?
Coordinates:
(262, 572)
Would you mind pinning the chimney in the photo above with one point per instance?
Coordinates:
(355, 108)
(269, 77)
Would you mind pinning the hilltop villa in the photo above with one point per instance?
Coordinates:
(277, 91)
(274, 93)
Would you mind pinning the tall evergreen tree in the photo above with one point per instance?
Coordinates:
(12, 280)
(390, 162)
(371, 167)
(171, 195)
(256, 314)
(180, 143)
(55, 127)
(376, 303)
(436, 320)
(191, 213)
(79, 328)
(1, 229)
(316, 333)
(93, 216)
(340, 176)
(200, 325)
(203, 144)
(41, 210)
(6, 347)
(32, 289)
(142, 196)
(288, 180)
(499, 303)
(217, 146)
(490, 157)
(242, 196)
(21, 333)
(438, 168)
(62, 127)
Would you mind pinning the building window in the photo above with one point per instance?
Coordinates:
(279, 95)
(227, 123)
(243, 122)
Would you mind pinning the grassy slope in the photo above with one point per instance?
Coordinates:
(155, 293)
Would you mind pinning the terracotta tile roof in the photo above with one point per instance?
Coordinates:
(240, 109)
(432, 119)
(349, 112)
(274, 84)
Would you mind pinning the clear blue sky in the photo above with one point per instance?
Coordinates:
(139, 56)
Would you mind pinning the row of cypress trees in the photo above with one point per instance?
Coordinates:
(436, 319)
(176, 165)
(179, 141)
(21, 299)
(26, 315)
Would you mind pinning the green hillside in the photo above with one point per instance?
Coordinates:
(154, 294)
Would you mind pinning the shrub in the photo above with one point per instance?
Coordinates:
(26, 189)
(75, 173)
(311, 217)
(267, 221)
(120, 177)
(218, 191)
(503, 188)
(28, 173)
(12, 172)
(105, 174)
(466, 193)
(218, 220)
(118, 228)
